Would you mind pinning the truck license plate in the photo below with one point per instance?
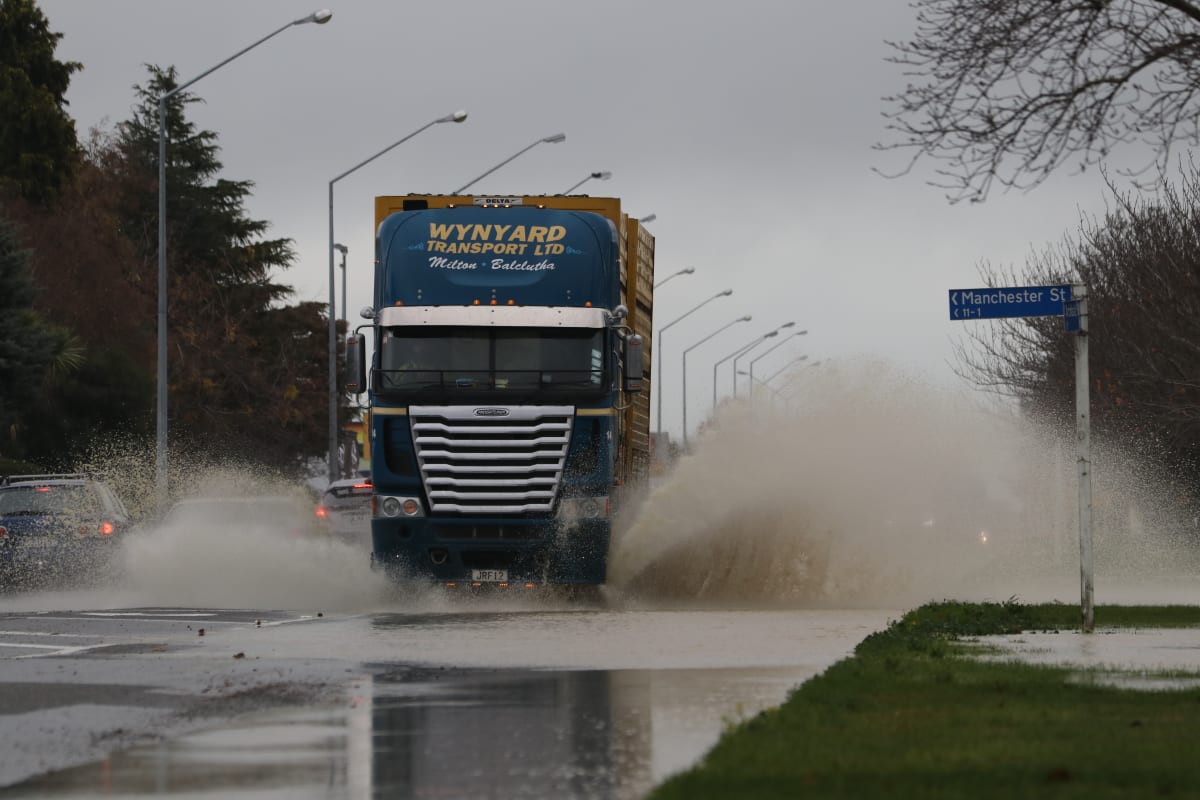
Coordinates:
(489, 575)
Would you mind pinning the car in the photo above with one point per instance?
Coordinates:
(285, 515)
(346, 505)
(59, 528)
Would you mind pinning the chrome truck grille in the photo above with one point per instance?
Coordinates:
(491, 459)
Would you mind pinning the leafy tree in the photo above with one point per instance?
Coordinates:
(28, 346)
(87, 276)
(1010, 91)
(1141, 265)
(37, 136)
(245, 369)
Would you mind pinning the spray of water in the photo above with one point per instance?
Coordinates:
(870, 488)
(875, 488)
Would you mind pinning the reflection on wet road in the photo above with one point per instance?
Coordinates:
(581, 704)
(449, 733)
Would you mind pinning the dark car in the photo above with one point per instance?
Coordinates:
(65, 527)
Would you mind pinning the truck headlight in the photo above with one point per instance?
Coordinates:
(583, 508)
(389, 506)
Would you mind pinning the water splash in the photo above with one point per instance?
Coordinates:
(876, 488)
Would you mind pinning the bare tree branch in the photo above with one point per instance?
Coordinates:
(1006, 92)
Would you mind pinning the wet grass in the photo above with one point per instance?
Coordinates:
(911, 715)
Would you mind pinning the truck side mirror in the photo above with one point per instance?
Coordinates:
(356, 365)
(634, 363)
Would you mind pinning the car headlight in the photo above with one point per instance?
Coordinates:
(583, 508)
(397, 507)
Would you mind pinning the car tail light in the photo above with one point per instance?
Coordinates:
(322, 512)
(3, 531)
(107, 529)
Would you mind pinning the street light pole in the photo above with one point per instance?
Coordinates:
(600, 176)
(555, 139)
(787, 366)
(658, 349)
(793, 380)
(778, 344)
(320, 18)
(684, 271)
(457, 116)
(684, 382)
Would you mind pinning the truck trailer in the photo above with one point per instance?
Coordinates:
(508, 412)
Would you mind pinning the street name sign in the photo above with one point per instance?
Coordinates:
(1008, 301)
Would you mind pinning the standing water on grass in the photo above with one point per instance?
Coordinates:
(877, 489)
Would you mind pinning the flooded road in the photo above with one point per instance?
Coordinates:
(475, 702)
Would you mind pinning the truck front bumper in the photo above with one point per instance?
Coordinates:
(541, 551)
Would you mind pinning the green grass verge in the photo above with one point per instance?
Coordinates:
(911, 715)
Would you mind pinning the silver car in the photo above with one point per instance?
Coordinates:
(346, 507)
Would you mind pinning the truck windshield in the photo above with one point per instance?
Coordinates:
(518, 359)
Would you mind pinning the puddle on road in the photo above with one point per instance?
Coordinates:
(421, 732)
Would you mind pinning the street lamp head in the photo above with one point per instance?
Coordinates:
(601, 176)
(555, 139)
(800, 333)
(457, 116)
(787, 325)
(727, 292)
(688, 270)
(319, 17)
(341, 248)
(745, 318)
(769, 335)
(648, 218)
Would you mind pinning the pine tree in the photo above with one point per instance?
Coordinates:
(38, 148)
(245, 370)
(28, 346)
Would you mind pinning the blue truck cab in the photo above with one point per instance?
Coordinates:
(502, 367)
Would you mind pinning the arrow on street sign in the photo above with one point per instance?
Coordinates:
(1008, 301)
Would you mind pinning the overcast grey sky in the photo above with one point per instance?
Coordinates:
(747, 128)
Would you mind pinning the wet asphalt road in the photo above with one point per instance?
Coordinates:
(483, 701)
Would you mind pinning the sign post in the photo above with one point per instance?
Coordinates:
(1083, 452)
(1070, 303)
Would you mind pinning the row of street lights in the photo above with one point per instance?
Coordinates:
(321, 17)
(744, 350)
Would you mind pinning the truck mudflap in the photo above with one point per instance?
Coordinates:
(541, 552)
